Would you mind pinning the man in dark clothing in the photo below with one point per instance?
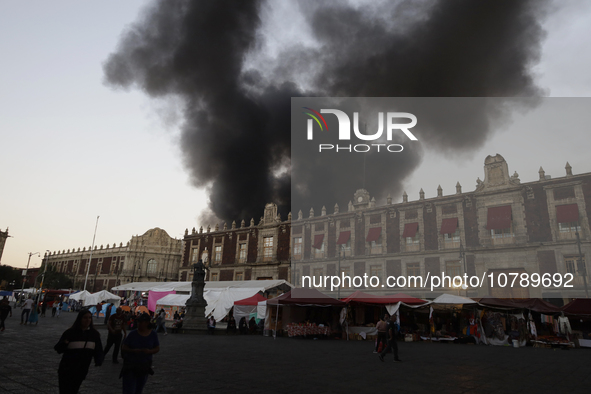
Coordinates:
(116, 327)
(5, 310)
(391, 345)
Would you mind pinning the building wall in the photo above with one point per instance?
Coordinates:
(153, 256)
(536, 244)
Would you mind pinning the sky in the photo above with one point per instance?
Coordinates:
(73, 148)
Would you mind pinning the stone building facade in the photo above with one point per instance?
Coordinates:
(245, 252)
(153, 256)
(502, 227)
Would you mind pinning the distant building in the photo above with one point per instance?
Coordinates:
(154, 256)
(502, 227)
(245, 252)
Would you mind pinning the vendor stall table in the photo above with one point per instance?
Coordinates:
(305, 330)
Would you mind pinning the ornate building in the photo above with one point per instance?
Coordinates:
(154, 256)
(501, 227)
(252, 252)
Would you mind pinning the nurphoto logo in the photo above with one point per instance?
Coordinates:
(392, 120)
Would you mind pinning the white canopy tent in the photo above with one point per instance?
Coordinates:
(102, 296)
(173, 300)
(220, 295)
(81, 296)
(180, 287)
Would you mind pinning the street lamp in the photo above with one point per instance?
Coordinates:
(342, 248)
(91, 250)
(463, 258)
(582, 269)
(43, 276)
(26, 272)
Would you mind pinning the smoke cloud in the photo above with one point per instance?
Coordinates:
(235, 137)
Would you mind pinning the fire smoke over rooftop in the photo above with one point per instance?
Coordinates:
(235, 135)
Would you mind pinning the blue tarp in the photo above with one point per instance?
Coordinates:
(5, 293)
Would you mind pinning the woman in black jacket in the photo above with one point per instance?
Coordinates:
(79, 344)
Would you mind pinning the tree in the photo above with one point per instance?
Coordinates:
(10, 277)
(55, 280)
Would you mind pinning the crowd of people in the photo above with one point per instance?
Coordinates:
(81, 344)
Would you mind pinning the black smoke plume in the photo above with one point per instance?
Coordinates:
(236, 132)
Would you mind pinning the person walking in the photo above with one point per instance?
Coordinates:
(138, 348)
(161, 321)
(26, 310)
(43, 308)
(211, 325)
(59, 309)
(382, 328)
(53, 308)
(117, 332)
(79, 344)
(34, 317)
(392, 345)
(5, 310)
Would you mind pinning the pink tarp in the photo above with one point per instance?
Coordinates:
(154, 296)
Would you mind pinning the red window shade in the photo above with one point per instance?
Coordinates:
(449, 226)
(373, 234)
(567, 213)
(318, 241)
(344, 237)
(499, 218)
(410, 230)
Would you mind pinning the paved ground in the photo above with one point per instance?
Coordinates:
(255, 364)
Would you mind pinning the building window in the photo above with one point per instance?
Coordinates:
(569, 230)
(412, 244)
(411, 237)
(452, 241)
(214, 276)
(268, 249)
(242, 253)
(344, 243)
(502, 236)
(453, 268)
(217, 258)
(413, 269)
(318, 244)
(152, 267)
(297, 248)
(499, 222)
(376, 270)
(194, 255)
(239, 276)
(318, 272)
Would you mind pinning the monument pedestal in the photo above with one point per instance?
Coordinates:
(195, 321)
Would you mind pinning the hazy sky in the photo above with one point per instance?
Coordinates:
(73, 148)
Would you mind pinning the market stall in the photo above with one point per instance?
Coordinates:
(303, 312)
(248, 307)
(365, 310)
(519, 321)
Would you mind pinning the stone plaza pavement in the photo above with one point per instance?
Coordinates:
(256, 364)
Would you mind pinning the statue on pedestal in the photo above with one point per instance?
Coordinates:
(195, 311)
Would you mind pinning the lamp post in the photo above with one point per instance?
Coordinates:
(26, 272)
(463, 258)
(339, 273)
(581, 265)
(91, 250)
(43, 276)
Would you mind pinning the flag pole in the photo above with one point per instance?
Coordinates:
(91, 250)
